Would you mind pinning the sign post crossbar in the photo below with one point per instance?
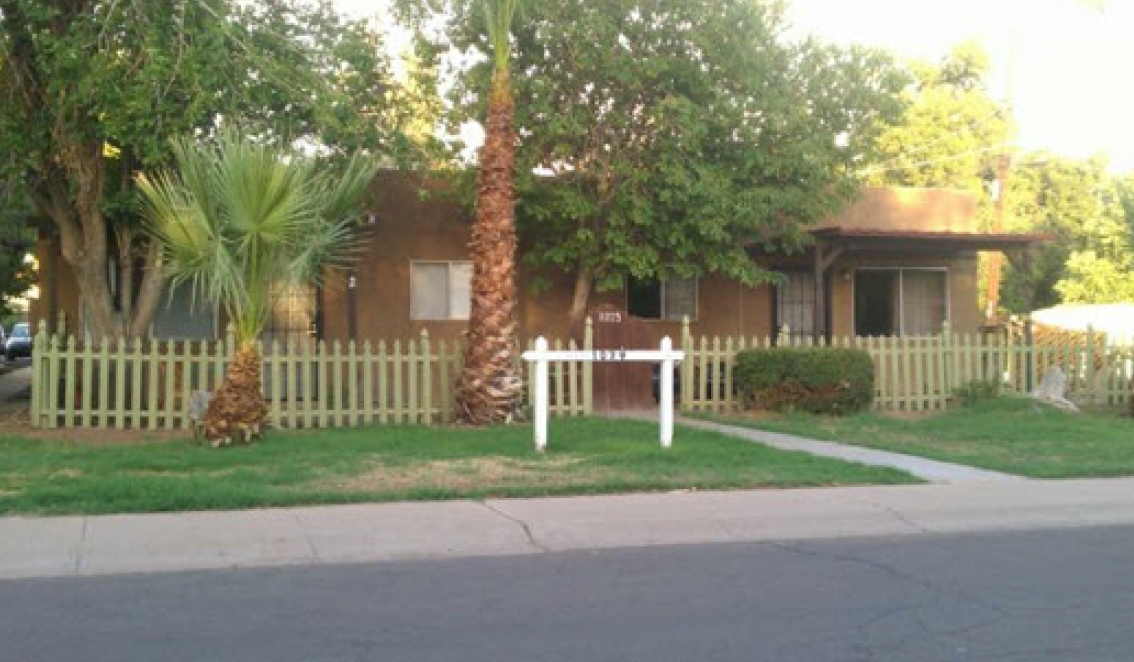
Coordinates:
(542, 356)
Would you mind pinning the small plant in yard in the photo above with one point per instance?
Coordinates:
(236, 220)
(818, 380)
(977, 390)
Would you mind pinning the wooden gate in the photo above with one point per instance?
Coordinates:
(621, 386)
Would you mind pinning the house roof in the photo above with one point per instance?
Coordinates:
(901, 239)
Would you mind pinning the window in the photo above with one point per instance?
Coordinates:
(180, 317)
(440, 290)
(795, 304)
(907, 302)
(292, 315)
(667, 300)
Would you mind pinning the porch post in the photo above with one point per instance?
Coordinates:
(823, 262)
(819, 323)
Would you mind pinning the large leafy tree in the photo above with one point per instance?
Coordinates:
(236, 220)
(951, 132)
(663, 138)
(489, 387)
(91, 91)
(1079, 203)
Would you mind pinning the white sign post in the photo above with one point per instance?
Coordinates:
(667, 356)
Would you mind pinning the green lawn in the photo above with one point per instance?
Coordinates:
(585, 456)
(1007, 434)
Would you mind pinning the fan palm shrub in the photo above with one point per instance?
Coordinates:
(489, 387)
(235, 220)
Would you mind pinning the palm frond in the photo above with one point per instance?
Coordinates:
(234, 219)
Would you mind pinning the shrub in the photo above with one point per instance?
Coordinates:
(820, 380)
(977, 390)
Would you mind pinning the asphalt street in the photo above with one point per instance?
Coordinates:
(1062, 595)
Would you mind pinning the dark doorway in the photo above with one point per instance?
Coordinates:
(875, 306)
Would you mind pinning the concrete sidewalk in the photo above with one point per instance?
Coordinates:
(932, 471)
(72, 546)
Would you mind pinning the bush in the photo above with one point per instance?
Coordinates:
(820, 380)
(978, 390)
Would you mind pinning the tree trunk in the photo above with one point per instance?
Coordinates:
(237, 411)
(582, 295)
(489, 387)
(83, 235)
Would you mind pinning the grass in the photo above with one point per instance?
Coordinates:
(1013, 435)
(585, 456)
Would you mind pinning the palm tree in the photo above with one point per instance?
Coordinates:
(488, 389)
(235, 220)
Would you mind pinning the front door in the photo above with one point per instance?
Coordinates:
(621, 386)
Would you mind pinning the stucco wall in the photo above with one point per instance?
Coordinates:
(899, 208)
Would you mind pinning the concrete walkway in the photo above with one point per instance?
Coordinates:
(76, 546)
(13, 382)
(932, 471)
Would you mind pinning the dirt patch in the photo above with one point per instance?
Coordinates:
(15, 422)
(469, 473)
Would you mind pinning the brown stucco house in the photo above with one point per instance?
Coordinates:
(897, 261)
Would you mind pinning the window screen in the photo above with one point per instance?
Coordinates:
(795, 304)
(179, 317)
(923, 302)
(679, 299)
(908, 302)
(440, 290)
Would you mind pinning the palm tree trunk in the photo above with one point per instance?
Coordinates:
(237, 411)
(489, 387)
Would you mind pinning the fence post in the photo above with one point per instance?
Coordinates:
(686, 366)
(666, 394)
(1030, 357)
(588, 368)
(426, 382)
(540, 390)
(1090, 370)
(39, 344)
(946, 375)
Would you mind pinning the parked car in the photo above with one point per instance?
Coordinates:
(18, 343)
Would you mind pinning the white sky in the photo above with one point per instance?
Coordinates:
(1071, 85)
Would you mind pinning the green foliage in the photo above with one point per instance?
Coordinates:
(237, 219)
(93, 92)
(1091, 259)
(819, 380)
(16, 241)
(977, 390)
(951, 131)
(662, 138)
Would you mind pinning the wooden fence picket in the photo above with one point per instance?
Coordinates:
(128, 383)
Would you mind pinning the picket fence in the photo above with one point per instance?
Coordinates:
(923, 373)
(149, 385)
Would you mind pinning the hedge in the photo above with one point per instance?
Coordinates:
(820, 380)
